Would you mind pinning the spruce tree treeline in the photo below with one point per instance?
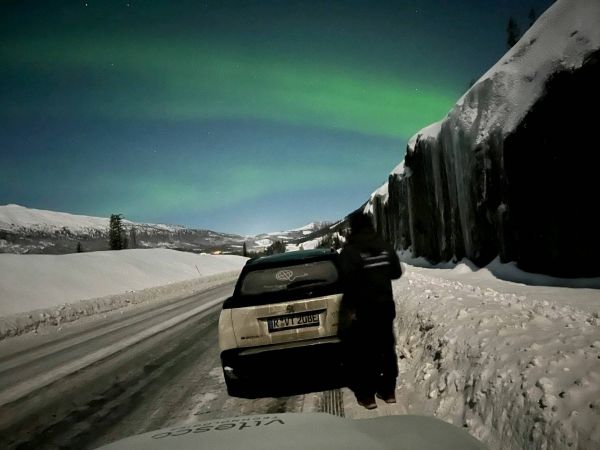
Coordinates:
(275, 248)
(116, 233)
(132, 238)
(330, 241)
(512, 32)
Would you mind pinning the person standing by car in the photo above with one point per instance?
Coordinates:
(368, 264)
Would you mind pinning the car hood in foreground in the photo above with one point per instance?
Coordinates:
(295, 431)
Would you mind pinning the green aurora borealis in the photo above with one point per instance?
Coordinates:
(244, 116)
(210, 83)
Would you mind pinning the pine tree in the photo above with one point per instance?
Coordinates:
(279, 247)
(513, 32)
(326, 241)
(115, 232)
(275, 248)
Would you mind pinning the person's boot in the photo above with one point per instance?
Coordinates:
(387, 396)
(366, 401)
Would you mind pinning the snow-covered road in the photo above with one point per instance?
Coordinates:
(28, 366)
(133, 370)
(517, 365)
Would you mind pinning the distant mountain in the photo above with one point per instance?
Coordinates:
(18, 218)
(309, 236)
(294, 233)
(27, 230)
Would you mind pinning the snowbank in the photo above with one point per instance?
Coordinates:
(41, 288)
(517, 365)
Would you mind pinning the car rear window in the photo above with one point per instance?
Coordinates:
(288, 278)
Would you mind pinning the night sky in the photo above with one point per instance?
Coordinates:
(237, 116)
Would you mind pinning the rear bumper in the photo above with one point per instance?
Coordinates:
(279, 358)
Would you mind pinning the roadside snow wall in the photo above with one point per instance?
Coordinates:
(19, 323)
(37, 290)
(517, 373)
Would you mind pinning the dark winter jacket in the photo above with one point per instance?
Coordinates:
(368, 264)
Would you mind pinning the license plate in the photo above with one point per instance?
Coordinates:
(293, 321)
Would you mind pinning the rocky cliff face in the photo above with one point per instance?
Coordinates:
(512, 170)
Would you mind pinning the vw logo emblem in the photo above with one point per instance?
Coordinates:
(284, 275)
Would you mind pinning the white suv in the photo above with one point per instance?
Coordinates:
(283, 313)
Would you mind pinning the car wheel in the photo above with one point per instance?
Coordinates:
(235, 385)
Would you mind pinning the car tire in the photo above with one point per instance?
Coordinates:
(235, 386)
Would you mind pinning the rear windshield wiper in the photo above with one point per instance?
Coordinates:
(299, 283)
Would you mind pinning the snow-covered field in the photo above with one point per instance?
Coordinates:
(517, 364)
(97, 281)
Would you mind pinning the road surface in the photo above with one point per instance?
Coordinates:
(101, 379)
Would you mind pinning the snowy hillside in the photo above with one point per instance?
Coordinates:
(15, 218)
(292, 238)
(561, 39)
(311, 227)
(27, 230)
(509, 170)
